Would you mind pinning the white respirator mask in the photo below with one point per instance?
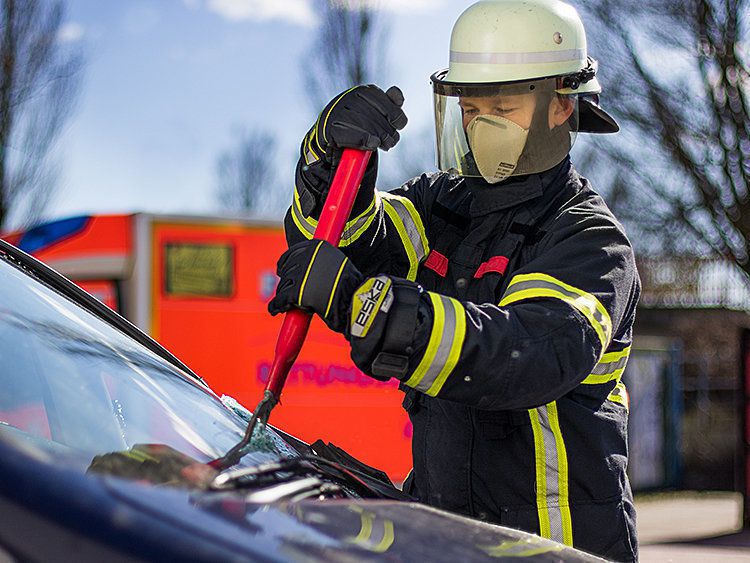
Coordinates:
(496, 144)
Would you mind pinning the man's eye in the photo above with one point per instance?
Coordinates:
(468, 111)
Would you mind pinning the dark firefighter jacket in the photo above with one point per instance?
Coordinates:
(513, 354)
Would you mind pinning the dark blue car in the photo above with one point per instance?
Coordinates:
(106, 443)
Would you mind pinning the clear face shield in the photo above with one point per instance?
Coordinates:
(498, 130)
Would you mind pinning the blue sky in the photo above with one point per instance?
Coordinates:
(168, 82)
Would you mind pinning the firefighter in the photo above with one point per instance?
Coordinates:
(500, 291)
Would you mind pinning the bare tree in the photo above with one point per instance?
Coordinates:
(247, 179)
(351, 49)
(679, 172)
(39, 82)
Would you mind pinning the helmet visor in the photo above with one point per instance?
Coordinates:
(499, 130)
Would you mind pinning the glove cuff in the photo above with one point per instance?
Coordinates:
(384, 326)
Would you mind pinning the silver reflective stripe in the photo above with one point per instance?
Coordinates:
(518, 58)
(609, 368)
(408, 222)
(551, 472)
(553, 476)
(447, 336)
(301, 221)
(352, 228)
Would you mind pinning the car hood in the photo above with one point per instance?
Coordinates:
(341, 530)
(47, 509)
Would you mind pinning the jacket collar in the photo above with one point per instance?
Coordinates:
(489, 198)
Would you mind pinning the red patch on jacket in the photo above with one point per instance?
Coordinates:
(496, 264)
(437, 263)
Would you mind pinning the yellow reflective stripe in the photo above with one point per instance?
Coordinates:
(611, 357)
(405, 242)
(328, 114)
(457, 342)
(620, 395)
(610, 368)
(410, 229)
(315, 135)
(432, 345)
(307, 273)
(562, 461)
(306, 225)
(308, 152)
(309, 220)
(540, 464)
(335, 285)
(551, 467)
(355, 227)
(352, 230)
(415, 217)
(531, 286)
(444, 346)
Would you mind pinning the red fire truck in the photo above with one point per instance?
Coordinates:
(200, 287)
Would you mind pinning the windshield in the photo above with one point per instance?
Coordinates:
(72, 384)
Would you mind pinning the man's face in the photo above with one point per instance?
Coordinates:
(518, 108)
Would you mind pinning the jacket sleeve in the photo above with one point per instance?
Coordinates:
(385, 232)
(558, 316)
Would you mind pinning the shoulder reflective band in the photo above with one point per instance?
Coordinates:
(534, 286)
(551, 462)
(352, 230)
(620, 395)
(372, 296)
(444, 347)
(410, 228)
(609, 368)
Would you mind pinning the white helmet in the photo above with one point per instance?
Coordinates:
(518, 87)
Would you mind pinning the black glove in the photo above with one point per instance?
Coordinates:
(317, 277)
(363, 117)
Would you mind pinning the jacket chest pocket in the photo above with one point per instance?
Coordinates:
(490, 276)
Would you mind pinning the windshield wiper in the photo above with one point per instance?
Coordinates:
(303, 469)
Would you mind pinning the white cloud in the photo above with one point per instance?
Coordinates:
(294, 11)
(70, 32)
(301, 12)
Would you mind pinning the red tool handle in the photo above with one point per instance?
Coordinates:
(331, 224)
